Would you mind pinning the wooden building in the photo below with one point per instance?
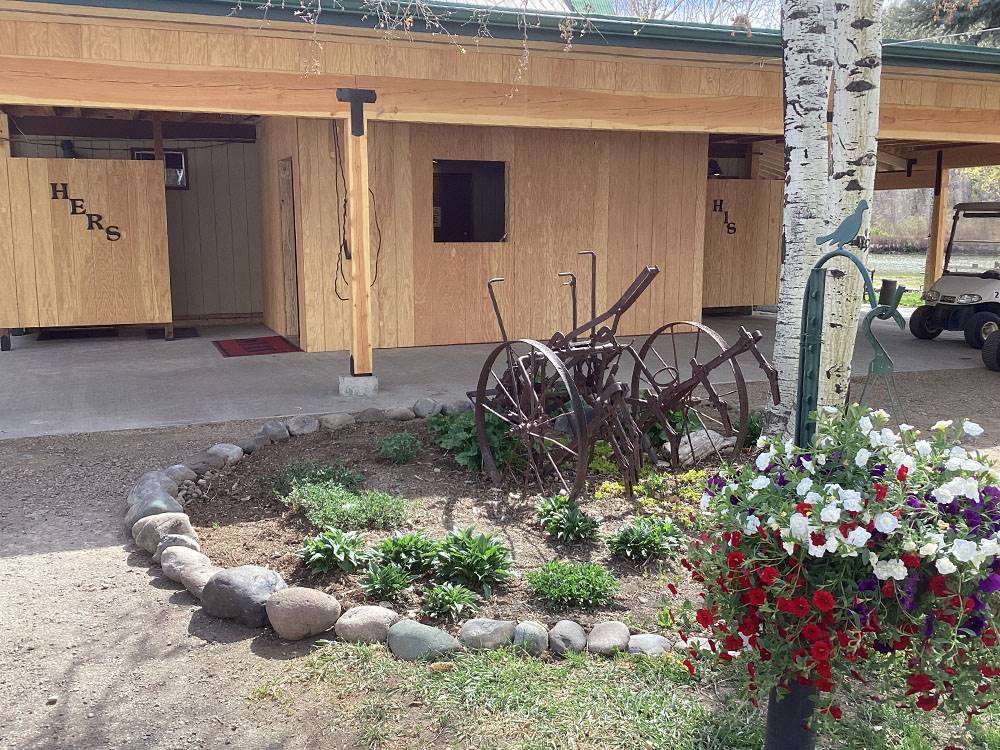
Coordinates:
(653, 145)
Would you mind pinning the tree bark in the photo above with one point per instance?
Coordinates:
(856, 27)
(807, 73)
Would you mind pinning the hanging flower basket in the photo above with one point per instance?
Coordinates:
(870, 560)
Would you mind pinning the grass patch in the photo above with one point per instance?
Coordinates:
(331, 503)
(400, 447)
(573, 584)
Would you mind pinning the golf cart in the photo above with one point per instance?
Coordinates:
(967, 297)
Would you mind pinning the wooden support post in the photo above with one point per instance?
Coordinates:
(157, 138)
(939, 224)
(4, 136)
(356, 154)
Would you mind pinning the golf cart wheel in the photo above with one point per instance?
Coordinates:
(991, 352)
(920, 323)
(980, 327)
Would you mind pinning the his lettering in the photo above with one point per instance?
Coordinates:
(717, 205)
(94, 222)
(59, 190)
(731, 228)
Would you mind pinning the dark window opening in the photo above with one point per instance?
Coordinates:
(174, 166)
(470, 201)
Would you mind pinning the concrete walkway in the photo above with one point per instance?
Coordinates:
(88, 385)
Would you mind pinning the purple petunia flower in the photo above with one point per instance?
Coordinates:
(868, 584)
(990, 584)
(991, 491)
(780, 480)
(975, 623)
(929, 625)
(883, 648)
(972, 518)
(914, 502)
(878, 470)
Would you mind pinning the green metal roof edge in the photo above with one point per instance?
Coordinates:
(614, 31)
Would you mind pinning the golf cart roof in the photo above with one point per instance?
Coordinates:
(986, 206)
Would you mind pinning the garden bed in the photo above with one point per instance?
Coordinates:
(240, 520)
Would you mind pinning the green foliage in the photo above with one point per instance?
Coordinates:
(457, 433)
(413, 551)
(609, 490)
(572, 584)
(400, 447)
(313, 472)
(478, 561)
(564, 521)
(385, 580)
(332, 550)
(602, 459)
(755, 428)
(644, 539)
(680, 421)
(450, 601)
(332, 504)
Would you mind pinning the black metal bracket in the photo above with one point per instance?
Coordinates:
(358, 98)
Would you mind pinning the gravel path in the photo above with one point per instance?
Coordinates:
(127, 655)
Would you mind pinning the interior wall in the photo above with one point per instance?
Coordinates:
(213, 227)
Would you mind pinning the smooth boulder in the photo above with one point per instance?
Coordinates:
(336, 421)
(274, 430)
(206, 462)
(154, 504)
(175, 540)
(427, 407)
(607, 637)
(531, 637)
(241, 593)
(153, 482)
(180, 473)
(648, 644)
(176, 561)
(302, 425)
(486, 634)
(567, 635)
(148, 532)
(230, 453)
(458, 406)
(399, 414)
(298, 612)
(413, 641)
(366, 624)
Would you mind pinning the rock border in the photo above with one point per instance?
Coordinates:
(258, 597)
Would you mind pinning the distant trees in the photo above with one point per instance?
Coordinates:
(915, 19)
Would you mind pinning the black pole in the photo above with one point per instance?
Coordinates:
(787, 719)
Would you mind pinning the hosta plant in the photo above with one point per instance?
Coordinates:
(413, 551)
(477, 561)
(385, 580)
(872, 558)
(644, 539)
(565, 521)
(333, 550)
(450, 601)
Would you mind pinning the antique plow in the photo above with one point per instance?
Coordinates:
(682, 388)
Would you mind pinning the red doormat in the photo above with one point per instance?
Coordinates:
(253, 347)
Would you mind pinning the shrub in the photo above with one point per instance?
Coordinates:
(478, 561)
(564, 520)
(313, 472)
(385, 580)
(332, 504)
(332, 550)
(400, 447)
(414, 552)
(457, 433)
(572, 584)
(450, 601)
(644, 539)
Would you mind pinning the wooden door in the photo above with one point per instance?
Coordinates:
(286, 214)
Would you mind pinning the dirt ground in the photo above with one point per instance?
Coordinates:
(129, 658)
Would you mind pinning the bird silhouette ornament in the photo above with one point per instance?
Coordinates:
(848, 229)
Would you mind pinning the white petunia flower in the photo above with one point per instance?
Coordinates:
(886, 523)
(851, 500)
(927, 549)
(881, 415)
(905, 427)
(923, 448)
(703, 503)
(902, 458)
(798, 526)
(889, 438)
(813, 498)
(760, 482)
(971, 429)
(964, 550)
(763, 461)
(762, 441)
(830, 409)
(972, 465)
(942, 424)
(808, 465)
(988, 548)
(874, 439)
(909, 545)
(830, 513)
(789, 547)
(865, 425)
(820, 458)
(861, 459)
(858, 537)
(957, 451)
(894, 568)
(945, 566)
(817, 551)
(803, 486)
(751, 526)
(953, 464)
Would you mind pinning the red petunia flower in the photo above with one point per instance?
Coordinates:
(888, 589)
(735, 538)
(927, 702)
(901, 473)
(910, 560)
(919, 683)
(836, 712)
(756, 597)
(689, 666)
(804, 508)
(821, 650)
(881, 491)
(768, 575)
(813, 632)
(704, 618)
(735, 560)
(939, 585)
(824, 685)
(823, 600)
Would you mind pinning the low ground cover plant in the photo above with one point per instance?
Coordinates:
(333, 550)
(385, 580)
(313, 472)
(450, 601)
(565, 521)
(400, 447)
(413, 551)
(331, 503)
(573, 584)
(646, 538)
(457, 434)
(476, 560)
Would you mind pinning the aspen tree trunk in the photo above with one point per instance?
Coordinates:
(807, 70)
(857, 49)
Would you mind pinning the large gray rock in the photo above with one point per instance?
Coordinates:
(274, 430)
(303, 424)
(366, 624)
(457, 407)
(607, 637)
(532, 637)
(175, 540)
(175, 562)
(481, 633)
(648, 644)
(703, 444)
(227, 451)
(154, 503)
(371, 415)
(153, 483)
(180, 473)
(250, 444)
(148, 532)
(298, 612)
(427, 407)
(196, 577)
(399, 414)
(240, 594)
(205, 462)
(567, 635)
(413, 641)
(336, 421)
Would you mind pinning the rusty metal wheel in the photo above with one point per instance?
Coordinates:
(525, 385)
(707, 420)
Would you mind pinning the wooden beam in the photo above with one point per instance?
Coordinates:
(4, 136)
(106, 128)
(939, 225)
(916, 180)
(358, 210)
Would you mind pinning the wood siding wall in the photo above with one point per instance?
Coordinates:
(213, 227)
(55, 271)
(628, 196)
(743, 268)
